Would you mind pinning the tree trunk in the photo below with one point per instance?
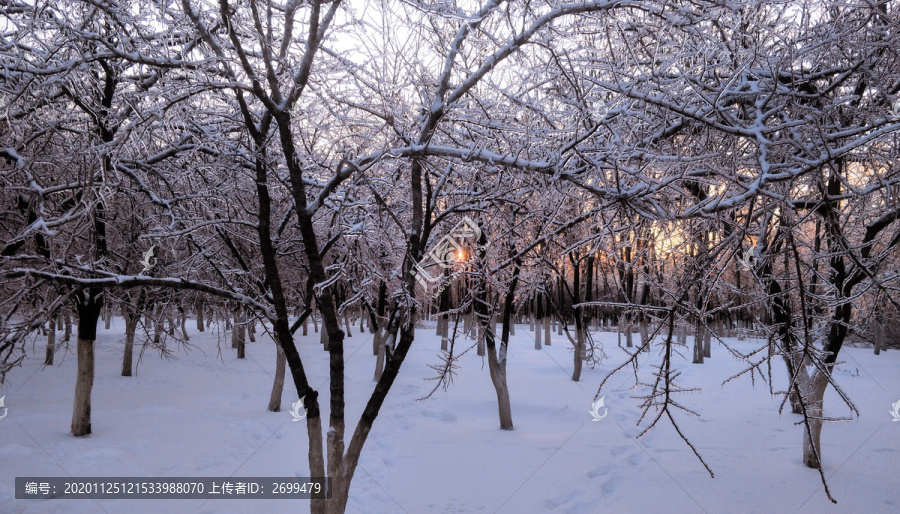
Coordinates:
(323, 338)
(793, 362)
(51, 342)
(234, 331)
(579, 352)
(698, 345)
(89, 305)
(879, 338)
(497, 359)
(84, 382)
(67, 331)
(531, 315)
(278, 383)
(581, 317)
(157, 326)
(497, 368)
(547, 319)
(444, 306)
(131, 323)
(707, 342)
(184, 325)
(478, 329)
(241, 345)
(812, 439)
(539, 322)
(645, 336)
(379, 355)
(200, 323)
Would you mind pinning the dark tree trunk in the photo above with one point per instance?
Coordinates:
(131, 323)
(89, 305)
(579, 320)
(200, 323)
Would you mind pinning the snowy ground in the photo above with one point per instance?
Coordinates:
(204, 414)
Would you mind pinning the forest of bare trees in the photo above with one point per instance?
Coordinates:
(718, 168)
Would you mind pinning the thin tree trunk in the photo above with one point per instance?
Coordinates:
(67, 331)
(184, 332)
(200, 323)
(51, 342)
(379, 355)
(278, 383)
(157, 326)
(241, 344)
(879, 338)
(235, 331)
(547, 318)
(539, 322)
(531, 314)
(131, 323)
(580, 317)
(497, 369)
(475, 328)
(443, 307)
(707, 341)
(323, 338)
(444, 324)
(497, 359)
(579, 351)
(698, 344)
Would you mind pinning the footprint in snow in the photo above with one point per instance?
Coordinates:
(562, 499)
(443, 415)
(611, 485)
(619, 450)
(636, 458)
(602, 470)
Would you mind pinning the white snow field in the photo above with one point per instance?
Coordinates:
(203, 413)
